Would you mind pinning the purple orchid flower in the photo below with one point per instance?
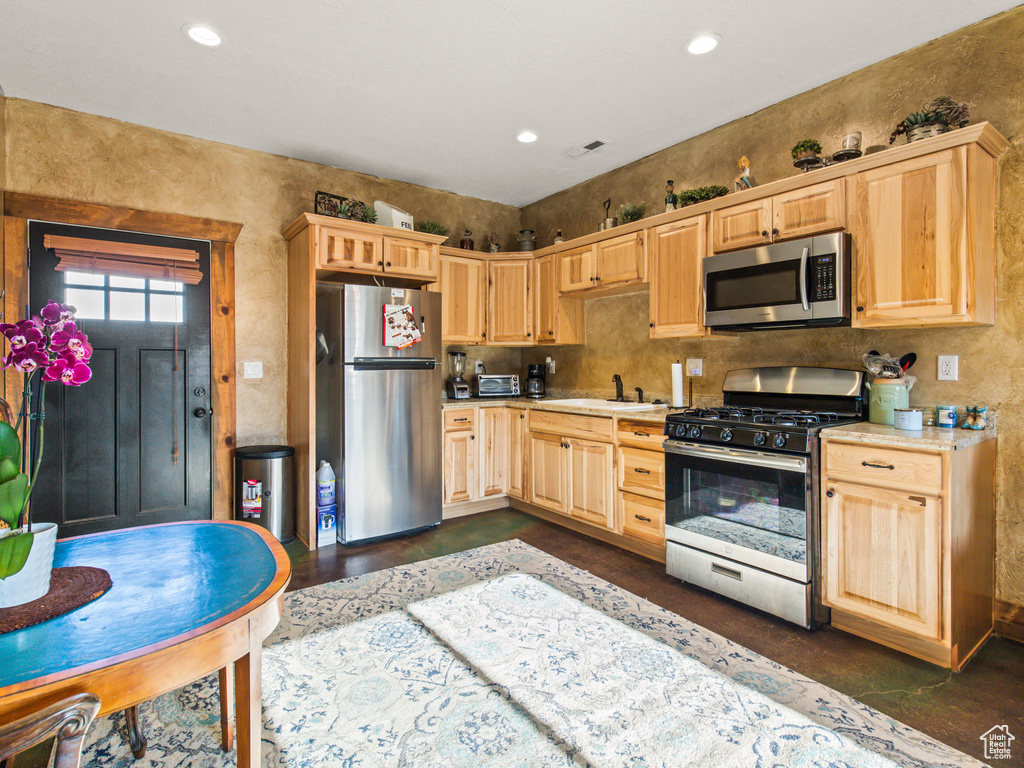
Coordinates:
(69, 370)
(55, 315)
(72, 341)
(21, 333)
(26, 359)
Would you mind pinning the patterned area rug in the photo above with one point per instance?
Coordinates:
(351, 678)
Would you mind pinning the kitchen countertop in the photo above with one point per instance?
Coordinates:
(930, 437)
(651, 415)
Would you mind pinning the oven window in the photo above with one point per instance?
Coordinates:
(762, 285)
(747, 506)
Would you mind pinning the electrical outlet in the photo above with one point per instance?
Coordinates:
(949, 368)
(694, 366)
(253, 370)
(551, 365)
(479, 367)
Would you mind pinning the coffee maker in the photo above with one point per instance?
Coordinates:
(535, 381)
(458, 387)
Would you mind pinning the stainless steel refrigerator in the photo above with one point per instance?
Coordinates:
(378, 410)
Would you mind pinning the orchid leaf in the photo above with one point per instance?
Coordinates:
(8, 470)
(12, 499)
(14, 551)
(10, 445)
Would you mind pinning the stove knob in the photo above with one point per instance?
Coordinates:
(695, 431)
(779, 441)
(760, 438)
(726, 435)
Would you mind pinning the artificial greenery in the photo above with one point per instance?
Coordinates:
(369, 214)
(631, 212)
(699, 194)
(941, 111)
(807, 145)
(429, 227)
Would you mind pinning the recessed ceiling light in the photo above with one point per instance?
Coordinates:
(202, 34)
(703, 43)
(527, 137)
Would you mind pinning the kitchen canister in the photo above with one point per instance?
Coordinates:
(945, 416)
(885, 396)
(910, 419)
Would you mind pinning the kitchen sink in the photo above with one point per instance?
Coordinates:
(606, 405)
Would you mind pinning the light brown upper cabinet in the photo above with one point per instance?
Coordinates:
(677, 251)
(798, 213)
(346, 250)
(463, 287)
(509, 302)
(923, 231)
(610, 263)
(410, 258)
(557, 319)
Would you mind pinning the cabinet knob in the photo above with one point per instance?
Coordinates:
(764, 233)
(551, 333)
(652, 325)
(388, 264)
(860, 309)
(775, 231)
(529, 334)
(380, 263)
(592, 279)
(598, 278)
(472, 437)
(830, 494)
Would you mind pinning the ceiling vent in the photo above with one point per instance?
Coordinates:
(584, 149)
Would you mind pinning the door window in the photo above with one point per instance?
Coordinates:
(97, 296)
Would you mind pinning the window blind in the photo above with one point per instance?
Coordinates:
(76, 254)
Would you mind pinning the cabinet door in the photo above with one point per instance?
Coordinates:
(883, 556)
(677, 253)
(809, 210)
(410, 258)
(509, 302)
(349, 251)
(548, 464)
(460, 461)
(621, 260)
(556, 319)
(517, 453)
(577, 269)
(463, 288)
(910, 238)
(590, 482)
(742, 226)
(493, 430)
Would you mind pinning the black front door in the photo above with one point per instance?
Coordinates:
(131, 446)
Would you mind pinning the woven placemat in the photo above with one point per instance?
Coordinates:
(70, 588)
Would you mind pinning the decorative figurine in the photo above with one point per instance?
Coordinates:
(466, 241)
(495, 246)
(558, 236)
(670, 196)
(743, 180)
(609, 220)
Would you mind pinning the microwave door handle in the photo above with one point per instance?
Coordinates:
(803, 279)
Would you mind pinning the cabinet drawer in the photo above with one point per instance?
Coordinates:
(888, 466)
(642, 518)
(572, 425)
(642, 472)
(459, 419)
(640, 434)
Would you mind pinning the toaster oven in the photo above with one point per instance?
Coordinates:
(496, 385)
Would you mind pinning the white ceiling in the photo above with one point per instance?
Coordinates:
(434, 92)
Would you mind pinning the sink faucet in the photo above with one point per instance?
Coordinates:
(639, 395)
(617, 380)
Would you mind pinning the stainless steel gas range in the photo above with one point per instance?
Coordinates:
(742, 513)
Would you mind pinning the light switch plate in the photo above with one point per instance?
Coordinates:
(252, 370)
(949, 367)
(694, 366)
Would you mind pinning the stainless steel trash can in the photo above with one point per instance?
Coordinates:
(265, 488)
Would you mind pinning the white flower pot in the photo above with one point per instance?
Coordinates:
(33, 580)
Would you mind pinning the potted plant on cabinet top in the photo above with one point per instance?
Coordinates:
(806, 148)
(52, 346)
(940, 116)
(629, 212)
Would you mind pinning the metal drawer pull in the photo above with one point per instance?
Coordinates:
(877, 466)
(460, 419)
(641, 434)
(642, 471)
(716, 568)
(641, 517)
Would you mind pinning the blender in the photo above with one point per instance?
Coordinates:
(458, 387)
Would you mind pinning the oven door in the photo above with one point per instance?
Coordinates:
(749, 506)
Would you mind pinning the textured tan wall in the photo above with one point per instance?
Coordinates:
(984, 64)
(61, 153)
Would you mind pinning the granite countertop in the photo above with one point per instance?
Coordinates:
(651, 415)
(929, 437)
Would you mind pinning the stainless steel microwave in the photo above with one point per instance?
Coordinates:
(801, 283)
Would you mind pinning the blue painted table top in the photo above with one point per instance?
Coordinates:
(167, 580)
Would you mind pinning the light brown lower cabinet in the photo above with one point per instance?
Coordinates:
(907, 546)
(518, 467)
(494, 448)
(548, 471)
(460, 465)
(591, 474)
(642, 517)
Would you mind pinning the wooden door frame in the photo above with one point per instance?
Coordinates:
(20, 209)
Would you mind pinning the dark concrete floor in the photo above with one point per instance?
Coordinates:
(955, 708)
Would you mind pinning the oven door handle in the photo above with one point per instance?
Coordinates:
(755, 458)
(803, 279)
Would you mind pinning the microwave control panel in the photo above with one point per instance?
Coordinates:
(823, 277)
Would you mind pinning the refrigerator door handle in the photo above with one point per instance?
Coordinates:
(394, 363)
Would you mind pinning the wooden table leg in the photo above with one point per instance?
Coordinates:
(227, 727)
(136, 738)
(248, 703)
